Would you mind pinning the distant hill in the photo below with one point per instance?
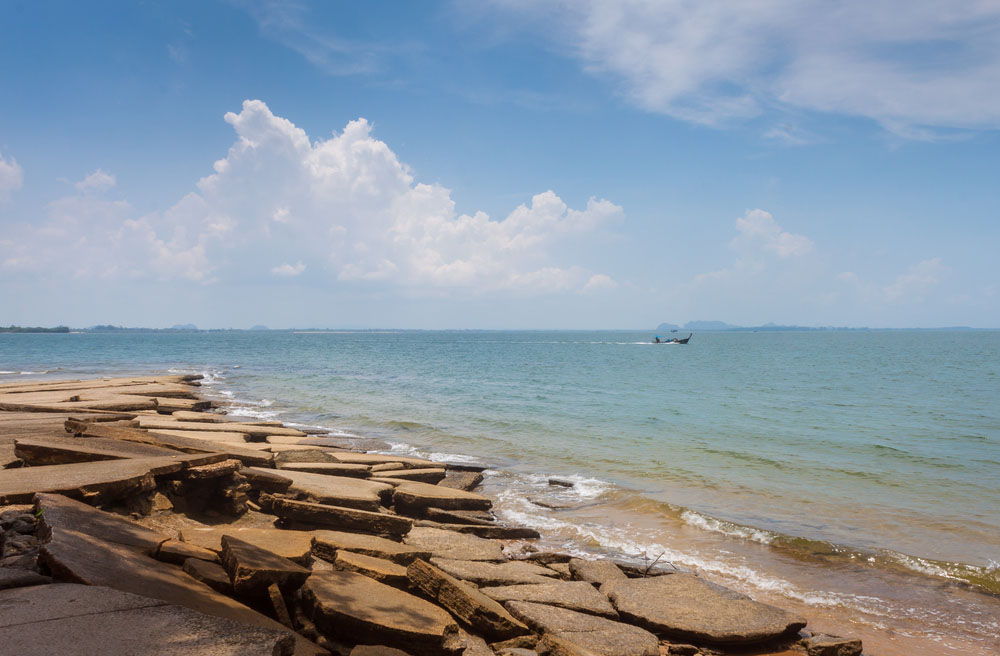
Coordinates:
(667, 327)
(184, 326)
(709, 325)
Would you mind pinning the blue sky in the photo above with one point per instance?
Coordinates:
(499, 164)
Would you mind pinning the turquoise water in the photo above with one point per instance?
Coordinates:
(880, 445)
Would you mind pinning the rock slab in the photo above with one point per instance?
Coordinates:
(573, 595)
(596, 634)
(687, 607)
(252, 569)
(477, 611)
(355, 609)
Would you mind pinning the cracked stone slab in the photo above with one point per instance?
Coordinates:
(596, 634)
(455, 546)
(573, 595)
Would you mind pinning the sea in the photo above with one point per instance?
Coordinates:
(852, 476)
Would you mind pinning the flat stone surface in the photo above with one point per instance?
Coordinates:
(377, 459)
(337, 490)
(104, 481)
(828, 645)
(412, 497)
(207, 436)
(455, 546)
(574, 595)
(380, 569)
(356, 609)
(65, 450)
(495, 574)
(350, 519)
(474, 517)
(157, 423)
(596, 634)
(431, 475)
(550, 645)
(79, 619)
(266, 479)
(327, 468)
(252, 569)
(490, 532)
(20, 578)
(477, 611)
(325, 544)
(685, 606)
(376, 650)
(597, 572)
(58, 512)
(293, 545)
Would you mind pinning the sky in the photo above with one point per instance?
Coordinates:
(500, 163)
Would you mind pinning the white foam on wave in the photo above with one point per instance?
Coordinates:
(456, 458)
(23, 373)
(584, 487)
(691, 518)
(640, 546)
(253, 412)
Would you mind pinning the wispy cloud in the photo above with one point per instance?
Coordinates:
(11, 177)
(911, 65)
(291, 25)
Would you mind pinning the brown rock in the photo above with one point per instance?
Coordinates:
(550, 645)
(328, 468)
(252, 569)
(383, 571)
(211, 574)
(494, 532)
(687, 607)
(322, 515)
(338, 491)
(412, 497)
(326, 544)
(376, 650)
(293, 545)
(475, 517)
(574, 595)
(278, 605)
(387, 466)
(477, 611)
(59, 512)
(176, 552)
(456, 546)
(377, 459)
(356, 609)
(467, 481)
(591, 633)
(828, 645)
(266, 480)
(597, 572)
(20, 578)
(430, 475)
(495, 574)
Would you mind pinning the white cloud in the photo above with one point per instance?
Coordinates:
(98, 182)
(903, 63)
(600, 282)
(758, 228)
(289, 270)
(344, 207)
(917, 281)
(11, 177)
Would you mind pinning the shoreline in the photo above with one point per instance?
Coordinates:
(218, 477)
(822, 618)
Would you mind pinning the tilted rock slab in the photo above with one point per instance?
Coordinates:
(596, 634)
(355, 609)
(469, 605)
(66, 618)
(317, 514)
(293, 545)
(495, 574)
(685, 606)
(252, 569)
(454, 546)
(412, 497)
(380, 569)
(326, 544)
(340, 491)
(467, 481)
(573, 595)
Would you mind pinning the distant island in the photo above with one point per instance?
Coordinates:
(33, 329)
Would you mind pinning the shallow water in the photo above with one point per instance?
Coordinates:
(852, 474)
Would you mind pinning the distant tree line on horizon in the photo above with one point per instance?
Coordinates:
(33, 329)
